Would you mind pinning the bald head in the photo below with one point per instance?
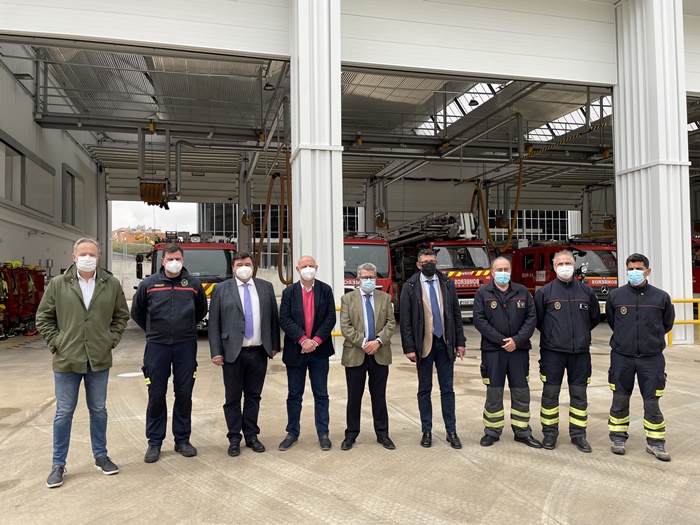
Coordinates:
(500, 264)
(307, 269)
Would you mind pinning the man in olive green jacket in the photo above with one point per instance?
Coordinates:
(367, 324)
(82, 316)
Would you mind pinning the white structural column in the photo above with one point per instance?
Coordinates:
(317, 178)
(651, 147)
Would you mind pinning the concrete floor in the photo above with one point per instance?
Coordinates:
(507, 482)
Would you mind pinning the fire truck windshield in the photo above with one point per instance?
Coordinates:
(598, 263)
(210, 266)
(357, 254)
(462, 257)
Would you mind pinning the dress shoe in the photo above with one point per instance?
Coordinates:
(549, 442)
(287, 442)
(453, 440)
(325, 443)
(234, 449)
(347, 444)
(488, 440)
(529, 441)
(386, 442)
(255, 445)
(582, 444)
(186, 449)
(152, 454)
(426, 440)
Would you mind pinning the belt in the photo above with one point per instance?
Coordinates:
(252, 347)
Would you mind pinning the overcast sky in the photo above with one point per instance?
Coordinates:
(182, 216)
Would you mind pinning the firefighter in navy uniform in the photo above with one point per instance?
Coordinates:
(504, 314)
(168, 306)
(567, 311)
(639, 315)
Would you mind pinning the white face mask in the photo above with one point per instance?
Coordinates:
(173, 267)
(86, 263)
(307, 273)
(565, 272)
(244, 272)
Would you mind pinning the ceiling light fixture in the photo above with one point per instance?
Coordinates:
(80, 124)
(210, 135)
(473, 102)
(268, 86)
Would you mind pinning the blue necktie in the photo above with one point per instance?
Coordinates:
(370, 319)
(435, 308)
(248, 311)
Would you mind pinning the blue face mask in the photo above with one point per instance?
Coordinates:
(635, 277)
(501, 277)
(368, 285)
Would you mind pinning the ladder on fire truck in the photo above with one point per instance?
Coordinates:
(433, 227)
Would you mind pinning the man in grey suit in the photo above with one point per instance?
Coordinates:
(367, 323)
(244, 333)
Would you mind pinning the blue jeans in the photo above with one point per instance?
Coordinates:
(296, 380)
(67, 388)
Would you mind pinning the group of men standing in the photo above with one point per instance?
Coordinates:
(83, 314)
(565, 311)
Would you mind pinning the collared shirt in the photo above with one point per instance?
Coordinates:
(308, 301)
(427, 286)
(88, 288)
(256, 340)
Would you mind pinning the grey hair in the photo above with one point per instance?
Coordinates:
(84, 240)
(499, 258)
(563, 253)
(368, 267)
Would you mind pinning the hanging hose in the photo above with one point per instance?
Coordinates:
(280, 245)
(514, 220)
(263, 230)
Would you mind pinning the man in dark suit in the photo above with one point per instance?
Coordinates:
(367, 323)
(307, 316)
(243, 333)
(432, 333)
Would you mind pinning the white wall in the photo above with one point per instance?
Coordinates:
(568, 40)
(243, 26)
(52, 239)
(691, 29)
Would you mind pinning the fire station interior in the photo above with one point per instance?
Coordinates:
(168, 126)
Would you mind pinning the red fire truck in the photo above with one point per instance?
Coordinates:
(460, 256)
(596, 265)
(360, 248)
(206, 257)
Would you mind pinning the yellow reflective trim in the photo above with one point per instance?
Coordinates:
(527, 378)
(494, 415)
(612, 386)
(654, 426)
(148, 381)
(618, 428)
(660, 393)
(577, 422)
(577, 412)
(588, 381)
(549, 411)
(520, 424)
(493, 424)
(194, 375)
(514, 412)
(543, 378)
(655, 435)
(619, 420)
(486, 380)
(546, 421)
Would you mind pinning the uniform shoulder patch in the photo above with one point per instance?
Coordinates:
(623, 310)
(557, 305)
(494, 305)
